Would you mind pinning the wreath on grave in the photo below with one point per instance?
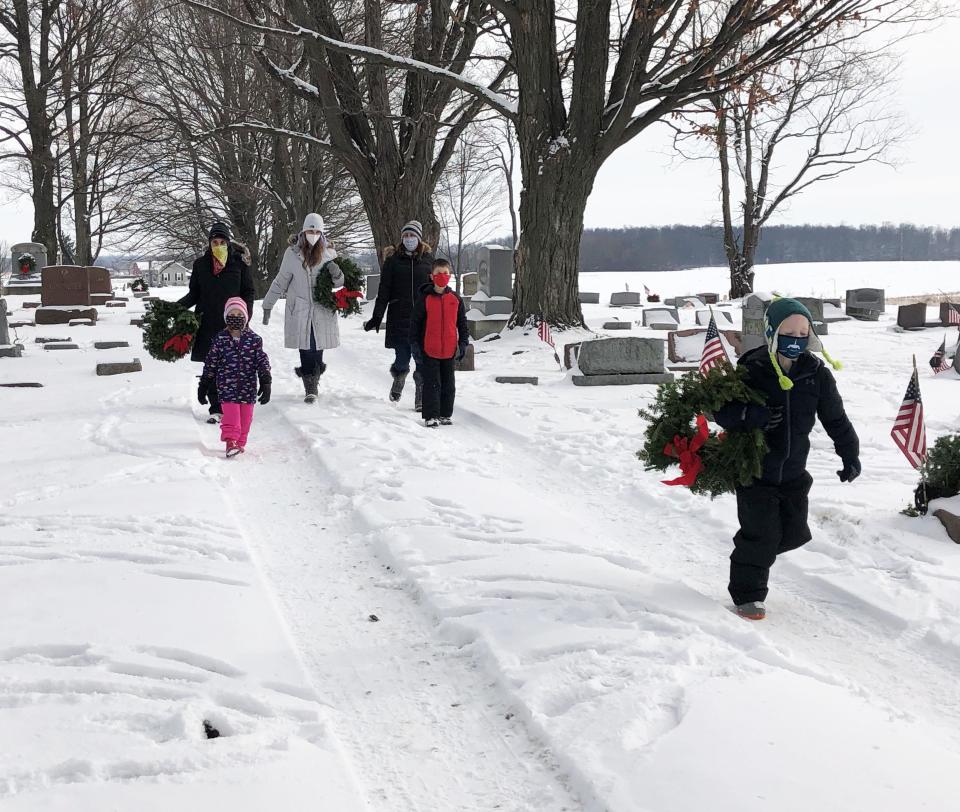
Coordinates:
(345, 300)
(940, 475)
(139, 285)
(711, 463)
(168, 330)
(27, 263)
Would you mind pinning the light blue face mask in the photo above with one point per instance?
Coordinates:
(791, 347)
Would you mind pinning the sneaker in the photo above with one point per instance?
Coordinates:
(233, 448)
(446, 421)
(754, 610)
(431, 423)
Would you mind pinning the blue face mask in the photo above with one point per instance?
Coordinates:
(791, 347)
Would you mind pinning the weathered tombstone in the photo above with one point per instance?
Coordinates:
(948, 310)
(81, 323)
(467, 363)
(142, 294)
(571, 352)
(690, 302)
(495, 271)
(61, 346)
(528, 379)
(912, 316)
(50, 340)
(25, 385)
(63, 315)
(116, 304)
(621, 361)
(4, 327)
(27, 259)
(120, 368)
(491, 305)
(110, 345)
(709, 298)
(14, 324)
(815, 306)
(866, 304)
(754, 329)
(625, 298)
(617, 325)
(469, 284)
(65, 285)
(11, 350)
(100, 281)
(686, 346)
(589, 298)
(661, 318)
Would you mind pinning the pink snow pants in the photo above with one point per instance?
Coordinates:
(235, 423)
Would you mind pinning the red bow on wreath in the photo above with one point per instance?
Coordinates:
(686, 451)
(179, 344)
(343, 297)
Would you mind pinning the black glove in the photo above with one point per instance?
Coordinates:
(203, 389)
(851, 470)
(263, 395)
(776, 417)
(735, 416)
(461, 352)
(371, 325)
(266, 316)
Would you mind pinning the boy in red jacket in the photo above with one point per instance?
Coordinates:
(438, 328)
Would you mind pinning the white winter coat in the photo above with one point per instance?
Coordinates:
(297, 282)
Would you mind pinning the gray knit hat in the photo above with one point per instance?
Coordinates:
(414, 226)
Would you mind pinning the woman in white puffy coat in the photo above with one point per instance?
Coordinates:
(307, 326)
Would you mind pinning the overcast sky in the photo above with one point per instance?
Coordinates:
(642, 185)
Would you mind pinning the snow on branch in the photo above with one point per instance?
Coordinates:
(502, 104)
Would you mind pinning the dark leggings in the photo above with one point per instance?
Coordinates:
(311, 360)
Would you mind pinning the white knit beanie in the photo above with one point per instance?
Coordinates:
(415, 227)
(313, 221)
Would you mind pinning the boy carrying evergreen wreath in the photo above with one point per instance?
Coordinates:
(799, 389)
(438, 330)
(234, 364)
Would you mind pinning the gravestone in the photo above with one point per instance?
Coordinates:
(865, 304)
(61, 346)
(722, 316)
(912, 316)
(23, 281)
(30, 305)
(495, 271)
(81, 323)
(100, 299)
(950, 522)
(754, 330)
(815, 306)
(14, 324)
(683, 348)
(109, 345)
(528, 379)
(481, 326)
(65, 285)
(621, 361)
(371, 288)
(617, 325)
(467, 363)
(63, 315)
(661, 318)
(120, 368)
(589, 298)
(136, 322)
(491, 305)
(49, 340)
(625, 298)
(4, 327)
(946, 308)
(832, 312)
(25, 385)
(142, 294)
(11, 350)
(571, 352)
(469, 284)
(690, 302)
(116, 304)
(709, 298)
(100, 281)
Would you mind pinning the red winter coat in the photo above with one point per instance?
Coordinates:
(439, 323)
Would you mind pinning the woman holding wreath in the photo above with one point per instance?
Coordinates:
(308, 326)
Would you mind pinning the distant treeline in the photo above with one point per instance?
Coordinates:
(667, 248)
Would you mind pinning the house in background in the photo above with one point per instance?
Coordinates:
(159, 273)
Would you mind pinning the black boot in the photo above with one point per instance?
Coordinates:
(396, 389)
(418, 395)
(311, 382)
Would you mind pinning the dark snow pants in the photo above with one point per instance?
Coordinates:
(439, 386)
(773, 520)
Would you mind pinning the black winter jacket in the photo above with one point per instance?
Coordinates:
(401, 277)
(210, 293)
(814, 395)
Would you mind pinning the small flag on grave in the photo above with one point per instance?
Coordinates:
(939, 363)
(909, 431)
(714, 354)
(953, 315)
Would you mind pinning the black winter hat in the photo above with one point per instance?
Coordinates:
(219, 229)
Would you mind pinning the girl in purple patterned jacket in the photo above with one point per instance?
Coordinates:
(234, 363)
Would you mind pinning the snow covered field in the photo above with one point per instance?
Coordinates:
(551, 623)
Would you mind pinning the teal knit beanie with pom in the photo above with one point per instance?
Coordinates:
(777, 313)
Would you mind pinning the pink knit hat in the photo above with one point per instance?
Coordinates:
(236, 303)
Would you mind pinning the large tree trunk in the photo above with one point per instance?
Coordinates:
(552, 205)
(389, 208)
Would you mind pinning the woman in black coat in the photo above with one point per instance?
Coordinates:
(222, 272)
(406, 269)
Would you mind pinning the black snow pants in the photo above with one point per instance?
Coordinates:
(439, 386)
(773, 520)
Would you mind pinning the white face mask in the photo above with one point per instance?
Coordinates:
(312, 238)
(411, 243)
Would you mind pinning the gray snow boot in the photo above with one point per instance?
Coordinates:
(418, 395)
(396, 389)
(311, 383)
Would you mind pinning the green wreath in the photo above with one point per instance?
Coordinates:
(27, 264)
(139, 285)
(940, 475)
(168, 330)
(711, 463)
(345, 300)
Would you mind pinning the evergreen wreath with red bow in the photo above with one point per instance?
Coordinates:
(678, 433)
(345, 300)
(168, 330)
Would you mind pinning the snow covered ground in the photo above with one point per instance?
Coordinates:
(552, 628)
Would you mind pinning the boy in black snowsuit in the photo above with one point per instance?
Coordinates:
(799, 389)
(438, 331)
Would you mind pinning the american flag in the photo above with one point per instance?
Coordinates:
(713, 352)
(939, 363)
(646, 290)
(953, 315)
(545, 335)
(909, 432)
